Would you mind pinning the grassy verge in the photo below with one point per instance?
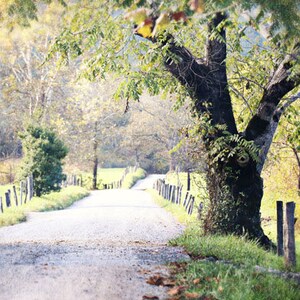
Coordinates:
(105, 176)
(132, 178)
(52, 201)
(231, 274)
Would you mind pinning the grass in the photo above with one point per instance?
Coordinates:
(105, 176)
(110, 175)
(52, 201)
(272, 193)
(132, 178)
(234, 276)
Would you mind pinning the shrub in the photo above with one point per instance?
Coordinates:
(43, 154)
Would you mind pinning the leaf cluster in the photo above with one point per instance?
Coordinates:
(43, 154)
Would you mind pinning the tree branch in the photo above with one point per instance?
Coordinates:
(206, 80)
(279, 86)
(271, 129)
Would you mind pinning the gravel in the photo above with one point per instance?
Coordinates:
(103, 247)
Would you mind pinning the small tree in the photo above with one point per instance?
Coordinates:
(43, 154)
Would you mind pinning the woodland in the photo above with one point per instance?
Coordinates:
(206, 86)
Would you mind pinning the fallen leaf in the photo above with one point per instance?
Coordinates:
(196, 281)
(192, 295)
(168, 282)
(150, 297)
(216, 279)
(176, 290)
(155, 280)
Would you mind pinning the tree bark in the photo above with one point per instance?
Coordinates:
(234, 184)
(95, 159)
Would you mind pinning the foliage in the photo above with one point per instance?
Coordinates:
(132, 178)
(234, 277)
(43, 154)
(52, 201)
(21, 12)
(221, 281)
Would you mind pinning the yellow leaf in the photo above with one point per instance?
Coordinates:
(145, 29)
(161, 23)
(137, 16)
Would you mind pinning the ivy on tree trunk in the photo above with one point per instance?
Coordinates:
(234, 183)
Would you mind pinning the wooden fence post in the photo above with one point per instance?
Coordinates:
(31, 186)
(25, 191)
(21, 192)
(169, 191)
(279, 208)
(289, 235)
(188, 180)
(15, 195)
(185, 198)
(166, 191)
(1, 204)
(28, 188)
(7, 198)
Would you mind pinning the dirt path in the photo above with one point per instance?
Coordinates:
(100, 248)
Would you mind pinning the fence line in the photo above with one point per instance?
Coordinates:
(26, 191)
(173, 193)
(119, 183)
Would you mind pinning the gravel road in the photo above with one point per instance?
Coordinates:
(103, 247)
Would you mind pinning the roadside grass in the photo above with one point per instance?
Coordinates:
(272, 193)
(109, 175)
(132, 178)
(52, 201)
(223, 267)
(105, 176)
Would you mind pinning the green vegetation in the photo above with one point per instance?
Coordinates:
(234, 277)
(273, 192)
(43, 155)
(132, 178)
(208, 280)
(52, 201)
(105, 176)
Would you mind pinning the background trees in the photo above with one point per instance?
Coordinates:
(236, 61)
(212, 56)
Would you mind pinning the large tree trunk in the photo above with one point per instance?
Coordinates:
(235, 194)
(234, 184)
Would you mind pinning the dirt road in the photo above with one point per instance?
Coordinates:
(100, 248)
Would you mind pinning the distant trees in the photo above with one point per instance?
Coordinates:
(217, 53)
(43, 155)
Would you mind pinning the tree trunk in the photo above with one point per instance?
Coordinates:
(235, 194)
(234, 182)
(95, 159)
(95, 173)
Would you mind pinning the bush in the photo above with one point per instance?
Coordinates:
(43, 154)
(132, 178)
